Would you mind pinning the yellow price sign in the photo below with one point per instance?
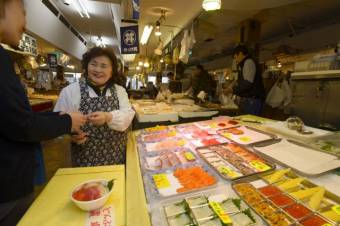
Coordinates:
(227, 135)
(260, 166)
(189, 156)
(227, 171)
(327, 224)
(245, 139)
(213, 125)
(161, 181)
(172, 134)
(224, 217)
(181, 142)
(336, 209)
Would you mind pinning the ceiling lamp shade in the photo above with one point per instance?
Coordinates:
(209, 5)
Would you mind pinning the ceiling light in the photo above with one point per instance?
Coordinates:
(83, 7)
(146, 65)
(209, 5)
(161, 60)
(146, 34)
(158, 33)
(140, 63)
(158, 29)
(138, 68)
(78, 10)
(100, 42)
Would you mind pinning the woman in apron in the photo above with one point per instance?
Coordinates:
(103, 138)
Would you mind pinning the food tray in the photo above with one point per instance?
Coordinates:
(296, 198)
(187, 128)
(217, 124)
(169, 159)
(155, 137)
(201, 210)
(208, 141)
(328, 144)
(155, 129)
(182, 180)
(233, 161)
(298, 156)
(168, 144)
(246, 135)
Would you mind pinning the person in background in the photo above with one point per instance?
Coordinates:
(59, 81)
(249, 85)
(107, 106)
(202, 81)
(21, 129)
(122, 79)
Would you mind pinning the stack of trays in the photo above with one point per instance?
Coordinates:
(283, 198)
(217, 210)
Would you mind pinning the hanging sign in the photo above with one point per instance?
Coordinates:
(135, 9)
(129, 39)
(52, 60)
(28, 44)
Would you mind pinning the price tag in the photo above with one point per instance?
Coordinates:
(161, 181)
(336, 209)
(327, 224)
(189, 156)
(245, 139)
(172, 134)
(260, 166)
(213, 125)
(181, 142)
(220, 212)
(227, 135)
(227, 171)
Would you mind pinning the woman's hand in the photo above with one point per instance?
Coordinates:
(79, 138)
(99, 118)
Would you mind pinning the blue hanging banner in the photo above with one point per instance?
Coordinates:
(129, 39)
(135, 12)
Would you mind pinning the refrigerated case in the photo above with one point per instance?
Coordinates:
(316, 98)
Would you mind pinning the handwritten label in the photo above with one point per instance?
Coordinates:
(220, 212)
(189, 156)
(336, 209)
(245, 139)
(161, 181)
(227, 171)
(260, 166)
(101, 217)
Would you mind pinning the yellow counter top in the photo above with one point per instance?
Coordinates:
(53, 206)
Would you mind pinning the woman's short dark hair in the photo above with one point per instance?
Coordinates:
(97, 52)
(240, 49)
(200, 67)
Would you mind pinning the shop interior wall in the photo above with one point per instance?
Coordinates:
(42, 22)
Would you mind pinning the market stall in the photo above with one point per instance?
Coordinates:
(224, 170)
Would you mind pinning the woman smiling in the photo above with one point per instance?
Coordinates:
(106, 104)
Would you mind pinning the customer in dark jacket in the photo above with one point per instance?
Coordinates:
(20, 128)
(202, 81)
(249, 85)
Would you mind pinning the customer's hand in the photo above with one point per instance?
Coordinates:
(99, 118)
(78, 120)
(79, 138)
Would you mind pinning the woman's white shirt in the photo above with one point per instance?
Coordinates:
(69, 101)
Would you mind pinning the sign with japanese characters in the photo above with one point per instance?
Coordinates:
(135, 10)
(101, 217)
(28, 44)
(129, 39)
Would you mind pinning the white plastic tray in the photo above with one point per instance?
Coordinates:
(299, 157)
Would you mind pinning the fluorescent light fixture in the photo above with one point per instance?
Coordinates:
(146, 34)
(158, 33)
(209, 5)
(43, 65)
(83, 7)
(78, 9)
(70, 66)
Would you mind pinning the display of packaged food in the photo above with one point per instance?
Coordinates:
(210, 210)
(246, 135)
(282, 195)
(183, 180)
(180, 220)
(168, 144)
(218, 123)
(155, 129)
(208, 141)
(187, 128)
(168, 159)
(233, 161)
(155, 137)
